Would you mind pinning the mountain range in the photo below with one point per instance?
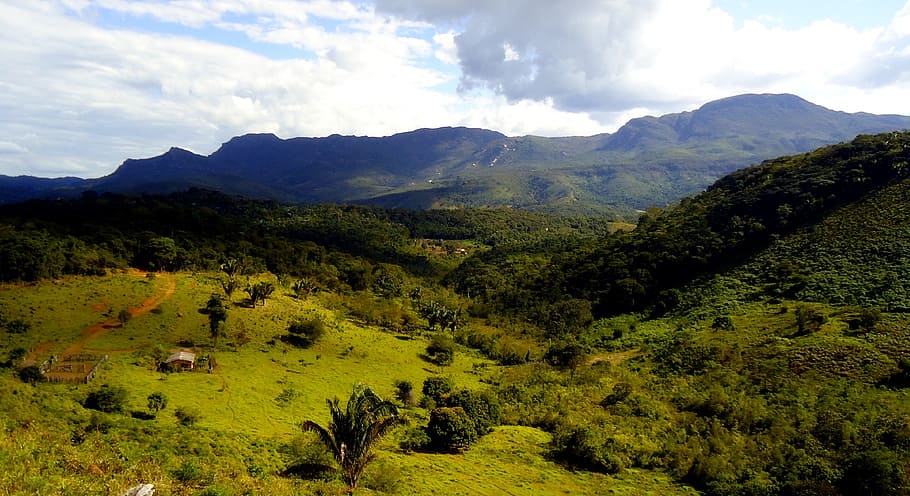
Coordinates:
(648, 161)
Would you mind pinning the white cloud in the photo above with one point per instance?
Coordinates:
(78, 96)
(92, 97)
(612, 55)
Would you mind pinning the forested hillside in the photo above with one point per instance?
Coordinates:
(750, 340)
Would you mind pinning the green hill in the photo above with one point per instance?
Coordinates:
(750, 340)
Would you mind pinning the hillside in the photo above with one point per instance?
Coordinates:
(751, 340)
(649, 161)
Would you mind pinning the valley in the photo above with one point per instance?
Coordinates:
(752, 339)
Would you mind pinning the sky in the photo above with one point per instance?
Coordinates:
(86, 84)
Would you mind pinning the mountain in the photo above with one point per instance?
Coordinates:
(649, 161)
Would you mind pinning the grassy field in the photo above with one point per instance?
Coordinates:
(248, 407)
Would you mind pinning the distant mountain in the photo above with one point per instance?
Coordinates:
(649, 161)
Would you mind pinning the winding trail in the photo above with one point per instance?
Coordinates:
(99, 328)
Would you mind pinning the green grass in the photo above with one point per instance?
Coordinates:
(249, 406)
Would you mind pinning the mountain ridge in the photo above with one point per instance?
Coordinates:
(648, 161)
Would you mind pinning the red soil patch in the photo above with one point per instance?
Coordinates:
(95, 330)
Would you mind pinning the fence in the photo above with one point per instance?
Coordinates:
(72, 368)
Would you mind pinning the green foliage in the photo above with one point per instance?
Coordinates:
(482, 408)
(354, 430)
(441, 349)
(124, 316)
(217, 314)
(18, 326)
(108, 399)
(434, 389)
(404, 392)
(566, 354)
(156, 403)
(259, 292)
(31, 374)
(187, 415)
(586, 447)
(451, 429)
(304, 333)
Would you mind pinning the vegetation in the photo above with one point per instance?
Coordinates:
(698, 353)
(354, 430)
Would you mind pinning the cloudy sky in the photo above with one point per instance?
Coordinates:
(86, 84)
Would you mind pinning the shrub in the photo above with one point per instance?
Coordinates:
(481, 407)
(108, 399)
(31, 374)
(723, 323)
(383, 476)
(566, 354)
(404, 392)
(441, 350)
(585, 447)
(156, 403)
(415, 439)
(304, 333)
(450, 429)
(187, 415)
(124, 316)
(18, 326)
(434, 389)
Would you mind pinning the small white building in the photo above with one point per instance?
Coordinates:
(183, 360)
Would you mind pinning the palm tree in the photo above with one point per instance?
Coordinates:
(353, 431)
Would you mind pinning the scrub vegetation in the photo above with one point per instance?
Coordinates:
(752, 340)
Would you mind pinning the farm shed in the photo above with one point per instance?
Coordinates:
(183, 360)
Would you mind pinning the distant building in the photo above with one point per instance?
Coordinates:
(183, 360)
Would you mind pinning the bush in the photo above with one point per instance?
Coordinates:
(383, 476)
(434, 389)
(415, 439)
(305, 333)
(481, 407)
(108, 399)
(404, 392)
(187, 415)
(565, 354)
(441, 350)
(450, 429)
(585, 447)
(31, 374)
(156, 403)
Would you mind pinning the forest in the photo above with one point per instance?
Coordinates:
(749, 340)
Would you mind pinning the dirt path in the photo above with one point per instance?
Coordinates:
(613, 358)
(97, 329)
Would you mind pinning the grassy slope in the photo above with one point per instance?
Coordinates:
(238, 442)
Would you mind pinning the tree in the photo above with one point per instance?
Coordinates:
(304, 287)
(232, 267)
(108, 399)
(217, 314)
(354, 430)
(451, 429)
(259, 292)
(31, 374)
(159, 253)
(434, 390)
(156, 403)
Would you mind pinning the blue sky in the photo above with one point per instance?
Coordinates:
(89, 83)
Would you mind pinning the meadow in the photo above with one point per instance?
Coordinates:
(247, 408)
